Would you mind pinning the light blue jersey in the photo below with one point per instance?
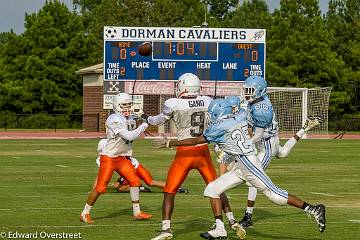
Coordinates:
(263, 116)
(231, 134)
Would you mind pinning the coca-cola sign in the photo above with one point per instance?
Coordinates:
(167, 88)
(150, 88)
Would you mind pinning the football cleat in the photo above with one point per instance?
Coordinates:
(142, 216)
(318, 212)
(144, 189)
(86, 218)
(214, 234)
(312, 122)
(183, 190)
(246, 221)
(164, 235)
(239, 230)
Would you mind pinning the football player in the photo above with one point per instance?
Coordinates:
(188, 111)
(121, 131)
(238, 104)
(265, 133)
(230, 132)
(121, 185)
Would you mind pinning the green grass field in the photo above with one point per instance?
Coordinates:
(44, 185)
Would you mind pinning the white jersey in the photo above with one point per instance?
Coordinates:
(120, 132)
(188, 114)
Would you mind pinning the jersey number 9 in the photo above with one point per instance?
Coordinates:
(197, 124)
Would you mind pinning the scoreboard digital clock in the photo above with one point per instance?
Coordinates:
(210, 53)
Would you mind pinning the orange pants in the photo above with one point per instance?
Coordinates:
(143, 174)
(187, 158)
(121, 165)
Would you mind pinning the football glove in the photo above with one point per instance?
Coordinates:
(144, 117)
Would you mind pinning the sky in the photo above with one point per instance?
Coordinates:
(12, 12)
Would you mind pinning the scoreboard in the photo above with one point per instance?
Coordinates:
(221, 54)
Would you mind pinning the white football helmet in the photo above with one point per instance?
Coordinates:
(188, 85)
(122, 103)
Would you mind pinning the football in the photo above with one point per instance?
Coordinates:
(145, 49)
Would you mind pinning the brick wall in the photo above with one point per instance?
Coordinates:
(93, 115)
(151, 108)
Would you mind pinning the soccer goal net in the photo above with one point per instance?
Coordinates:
(292, 107)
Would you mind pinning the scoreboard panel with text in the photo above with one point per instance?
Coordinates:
(210, 53)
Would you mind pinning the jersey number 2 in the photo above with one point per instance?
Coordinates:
(197, 124)
(242, 135)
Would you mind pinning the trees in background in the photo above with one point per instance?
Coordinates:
(305, 48)
(38, 67)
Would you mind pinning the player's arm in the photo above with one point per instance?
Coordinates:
(131, 135)
(158, 119)
(164, 116)
(250, 131)
(261, 120)
(119, 128)
(222, 168)
(257, 134)
(187, 142)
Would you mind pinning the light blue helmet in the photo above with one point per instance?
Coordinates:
(219, 108)
(254, 87)
(235, 103)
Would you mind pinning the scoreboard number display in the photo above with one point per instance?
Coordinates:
(214, 54)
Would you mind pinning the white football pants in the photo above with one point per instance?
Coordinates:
(249, 169)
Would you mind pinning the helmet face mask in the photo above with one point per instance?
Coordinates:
(126, 109)
(249, 93)
(122, 104)
(188, 85)
(219, 109)
(254, 87)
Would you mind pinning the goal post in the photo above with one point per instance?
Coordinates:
(294, 105)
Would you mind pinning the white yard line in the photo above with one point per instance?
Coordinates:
(325, 194)
(63, 166)
(28, 196)
(354, 221)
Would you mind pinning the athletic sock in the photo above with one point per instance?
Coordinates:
(300, 133)
(305, 205)
(249, 210)
(219, 224)
(166, 225)
(136, 208)
(230, 216)
(87, 209)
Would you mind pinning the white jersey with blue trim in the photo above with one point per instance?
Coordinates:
(231, 134)
(263, 116)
